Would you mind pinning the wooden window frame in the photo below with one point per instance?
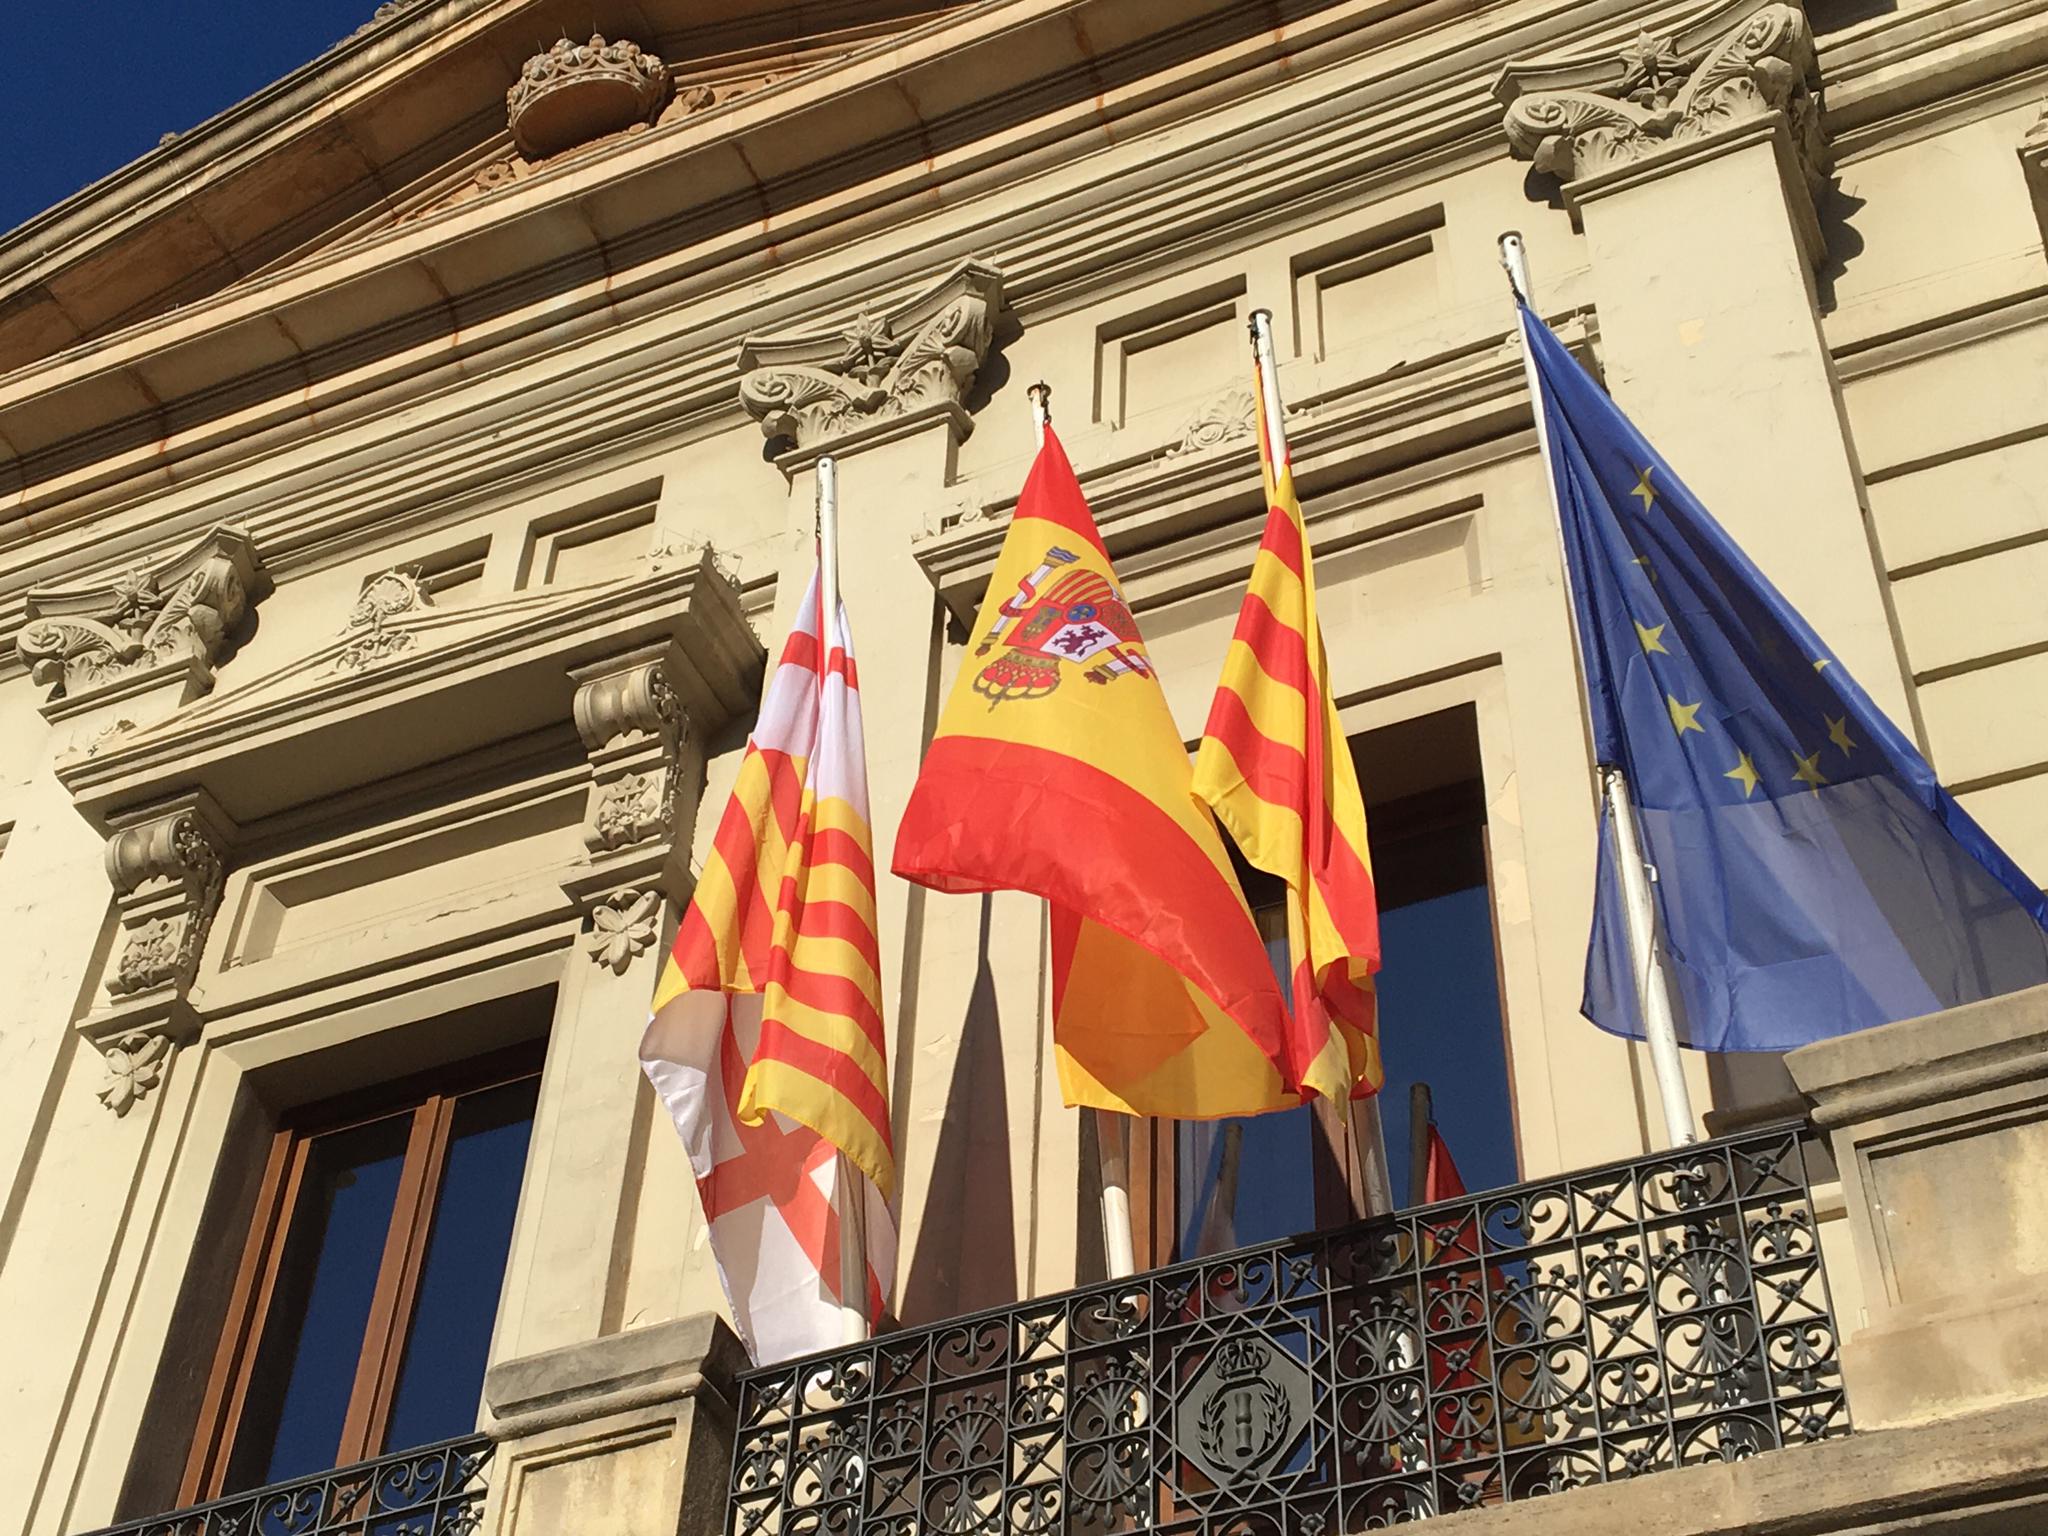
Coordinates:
(430, 1099)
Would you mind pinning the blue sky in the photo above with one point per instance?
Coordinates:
(92, 87)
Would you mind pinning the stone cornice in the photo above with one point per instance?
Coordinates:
(618, 207)
(464, 678)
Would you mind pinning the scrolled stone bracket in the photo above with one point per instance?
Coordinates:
(646, 770)
(168, 865)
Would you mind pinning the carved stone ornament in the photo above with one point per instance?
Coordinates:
(383, 598)
(167, 873)
(135, 1066)
(576, 92)
(632, 726)
(1734, 62)
(1230, 416)
(172, 616)
(2034, 165)
(877, 365)
(621, 926)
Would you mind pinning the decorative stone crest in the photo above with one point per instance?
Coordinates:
(1230, 416)
(621, 926)
(383, 598)
(167, 620)
(135, 1066)
(820, 386)
(1735, 62)
(576, 92)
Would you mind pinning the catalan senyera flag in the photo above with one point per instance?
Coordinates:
(1275, 768)
(1057, 769)
(766, 1043)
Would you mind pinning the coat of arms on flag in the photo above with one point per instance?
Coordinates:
(1079, 616)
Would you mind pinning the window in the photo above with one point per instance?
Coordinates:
(362, 1312)
(1245, 1181)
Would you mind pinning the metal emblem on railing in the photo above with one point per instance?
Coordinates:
(1658, 1313)
(1244, 1410)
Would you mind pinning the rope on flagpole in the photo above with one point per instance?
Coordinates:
(1653, 985)
(1368, 1129)
(849, 1185)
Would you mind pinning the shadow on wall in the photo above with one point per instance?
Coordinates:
(966, 1254)
(1833, 15)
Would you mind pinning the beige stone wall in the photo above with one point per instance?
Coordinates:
(1356, 192)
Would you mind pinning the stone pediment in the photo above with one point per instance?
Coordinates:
(405, 684)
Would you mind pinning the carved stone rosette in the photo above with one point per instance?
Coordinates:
(1735, 62)
(644, 769)
(166, 621)
(167, 865)
(576, 92)
(821, 386)
(383, 598)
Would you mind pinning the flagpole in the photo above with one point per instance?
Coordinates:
(1112, 1130)
(1653, 985)
(848, 1184)
(1368, 1130)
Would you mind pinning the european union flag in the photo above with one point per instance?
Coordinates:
(1812, 877)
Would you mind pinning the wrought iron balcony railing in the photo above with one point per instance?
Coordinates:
(1655, 1313)
(437, 1490)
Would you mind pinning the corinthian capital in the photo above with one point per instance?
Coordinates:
(1735, 61)
(821, 386)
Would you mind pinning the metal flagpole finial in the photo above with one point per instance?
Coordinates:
(1514, 260)
(1040, 396)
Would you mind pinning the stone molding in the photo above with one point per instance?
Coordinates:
(1735, 61)
(821, 386)
(149, 624)
(572, 93)
(167, 865)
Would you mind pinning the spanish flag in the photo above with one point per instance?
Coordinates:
(1057, 770)
(766, 1044)
(1274, 766)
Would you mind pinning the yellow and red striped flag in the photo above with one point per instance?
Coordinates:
(1276, 769)
(766, 1043)
(1057, 769)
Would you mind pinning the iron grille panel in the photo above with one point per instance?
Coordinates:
(437, 1490)
(1661, 1312)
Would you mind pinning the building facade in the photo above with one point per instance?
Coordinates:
(407, 472)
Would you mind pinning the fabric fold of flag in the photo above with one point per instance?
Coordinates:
(1057, 770)
(1813, 877)
(766, 1044)
(1275, 767)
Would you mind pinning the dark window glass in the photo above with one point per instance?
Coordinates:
(320, 1307)
(364, 1307)
(1440, 1007)
(1272, 1176)
(445, 1351)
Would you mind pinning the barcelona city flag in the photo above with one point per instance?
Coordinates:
(1276, 769)
(1812, 875)
(766, 1044)
(1057, 769)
